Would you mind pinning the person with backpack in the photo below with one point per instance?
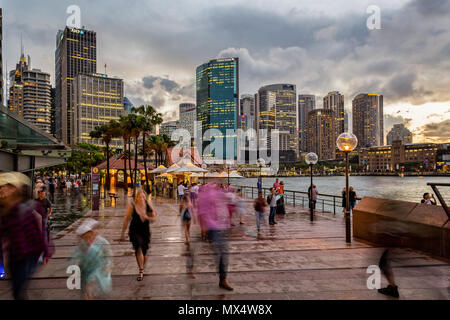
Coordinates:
(272, 201)
(22, 242)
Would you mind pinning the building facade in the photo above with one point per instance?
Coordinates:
(247, 112)
(15, 99)
(400, 156)
(335, 101)
(76, 53)
(37, 99)
(217, 92)
(399, 132)
(97, 99)
(188, 116)
(306, 104)
(277, 110)
(321, 135)
(368, 119)
(169, 127)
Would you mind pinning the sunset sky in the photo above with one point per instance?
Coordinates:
(319, 46)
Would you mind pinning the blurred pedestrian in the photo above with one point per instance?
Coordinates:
(22, 242)
(94, 257)
(385, 267)
(280, 198)
(140, 212)
(352, 198)
(272, 201)
(240, 206)
(180, 190)
(312, 195)
(260, 205)
(45, 209)
(212, 211)
(259, 185)
(185, 210)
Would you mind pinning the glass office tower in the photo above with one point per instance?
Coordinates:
(217, 86)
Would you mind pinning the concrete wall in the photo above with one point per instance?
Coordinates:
(403, 224)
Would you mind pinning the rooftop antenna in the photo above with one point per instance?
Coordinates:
(105, 68)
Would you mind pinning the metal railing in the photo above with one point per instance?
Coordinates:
(434, 186)
(325, 202)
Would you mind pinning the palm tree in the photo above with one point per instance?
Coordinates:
(106, 133)
(125, 132)
(151, 118)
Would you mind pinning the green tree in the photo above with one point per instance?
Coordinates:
(106, 133)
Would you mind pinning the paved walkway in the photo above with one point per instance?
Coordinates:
(295, 259)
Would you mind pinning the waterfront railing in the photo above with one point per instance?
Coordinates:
(325, 202)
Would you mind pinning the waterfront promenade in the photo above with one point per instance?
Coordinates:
(295, 259)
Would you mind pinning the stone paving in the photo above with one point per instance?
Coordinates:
(295, 259)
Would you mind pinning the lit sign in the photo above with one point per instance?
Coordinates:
(73, 30)
(100, 75)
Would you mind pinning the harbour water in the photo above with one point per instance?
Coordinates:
(388, 187)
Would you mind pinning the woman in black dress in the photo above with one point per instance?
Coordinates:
(141, 213)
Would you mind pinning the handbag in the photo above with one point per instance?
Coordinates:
(187, 214)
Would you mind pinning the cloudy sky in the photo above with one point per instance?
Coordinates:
(155, 47)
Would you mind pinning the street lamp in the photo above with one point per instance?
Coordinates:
(347, 142)
(311, 159)
(261, 163)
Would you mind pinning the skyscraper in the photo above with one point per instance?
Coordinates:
(399, 132)
(306, 104)
(217, 87)
(15, 99)
(37, 99)
(76, 52)
(278, 111)
(321, 135)
(29, 94)
(97, 99)
(247, 112)
(335, 101)
(188, 116)
(368, 119)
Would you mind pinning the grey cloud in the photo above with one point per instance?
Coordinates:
(436, 131)
(433, 7)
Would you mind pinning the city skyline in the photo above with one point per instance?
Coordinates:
(169, 77)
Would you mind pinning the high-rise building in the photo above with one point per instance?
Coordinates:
(97, 99)
(169, 127)
(247, 112)
(188, 116)
(1, 57)
(29, 94)
(52, 112)
(37, 99)
(76, 53)
(399, 132)
(15, 99)
(306, 104)
(277, 110)
(335, 101)
(321, 135)
(217, 87)
(367, 112)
